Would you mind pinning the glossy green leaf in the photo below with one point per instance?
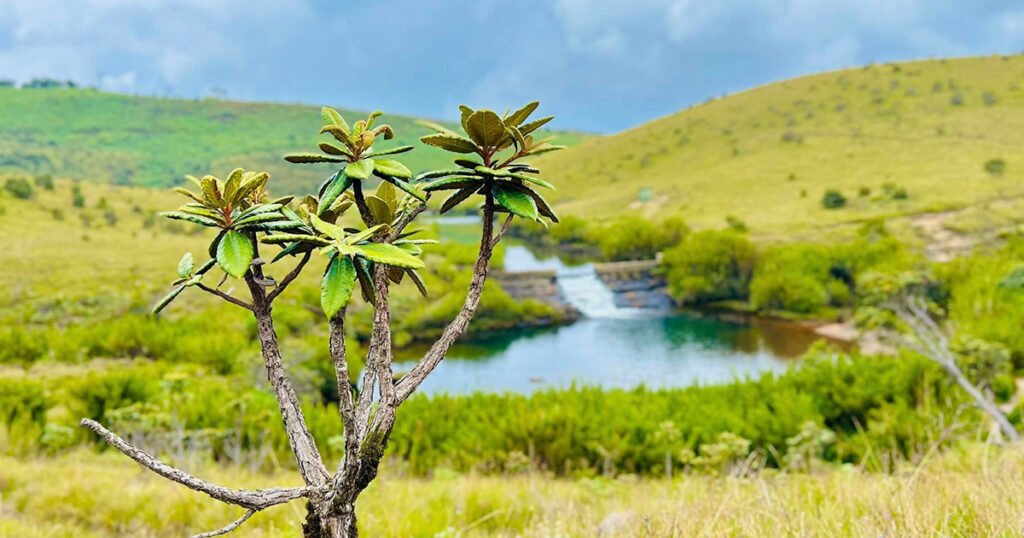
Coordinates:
(486, 128)
(467, 163)
(363, 270)
(389, 255)
(439, 173)
(516, 201)
(360, 169)
(232, 184)
(391, 167)
(333, 191)
(178, 215)
(359, 237)
(409, 188)
(312, 158)
(202, 212)
(450, 142)
(211, 191)
(258, 218)
(534, 125)
(190, 194)
(457, 198)
(336, 287)
(234, 253)
(453, 182)
(534, 180)
(386, 191)
(415, 277)
(331, 149)
(185, 265)
(379, 209)
(332, 231)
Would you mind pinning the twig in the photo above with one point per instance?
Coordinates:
(407, 218)
(225, 296)
(289, 278)
(230, 527)
(501, 232)
(251, 499)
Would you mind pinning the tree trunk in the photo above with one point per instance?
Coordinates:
(340, 524)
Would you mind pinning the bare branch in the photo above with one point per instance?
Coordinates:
(226, 297)
(404, 221)
(437, 352)
(230, 527)
(501, 232)
(346, 404)
(251, 499)
(289, 278)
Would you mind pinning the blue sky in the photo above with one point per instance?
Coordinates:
(600, 65)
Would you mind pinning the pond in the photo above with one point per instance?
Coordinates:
(612, 346)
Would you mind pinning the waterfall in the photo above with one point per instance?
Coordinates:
(581, 287)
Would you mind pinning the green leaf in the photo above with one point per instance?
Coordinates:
(292, 238)
(186, 265)
(363, 270)
(467, 163)
(363, 235)
(465, 112)
(202, 212)
(386, 192)
(258, 218)
(439, 173)
(379, 209)
(519, 116)
(415, 277)
(232, 184)
(486, 128)
(178, 215)
(390, 167)
(340, 135)
(234, 253)
(333, 117)
(333, 191)
(517, 202)
(312, 158)
(534, 125)
(275, 225)
(331, 149)
(389, 255)
(166, 299)
(212, 192)
(409, 188)
(450, 142)
(458, 198)
(393, 151)
(336, 287)
(291, 250)
(330, 230)
(453, 182)
(360, 169)
(534, 180)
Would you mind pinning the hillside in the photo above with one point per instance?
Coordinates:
(924, 129)
(90, 135)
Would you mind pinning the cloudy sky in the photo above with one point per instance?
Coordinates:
(601, 65)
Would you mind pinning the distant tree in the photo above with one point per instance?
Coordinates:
(907, 312)
(6, 83)
(44, 181)
(374, 256)
(18, 187)
(77, 198)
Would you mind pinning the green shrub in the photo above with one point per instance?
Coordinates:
(833, 200)
(44, 181)
(635, 238)
(770, 290)
(996, 167)
(710, 266)
(18, 187)
(77, 198)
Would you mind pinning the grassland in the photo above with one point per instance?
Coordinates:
(90, 135)
(976, 491)
(767, 155)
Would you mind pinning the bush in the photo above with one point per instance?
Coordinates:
(635, 238)
(833, 199)
(710, 266)
(775, 290)
(44, 181)
(77, 198)
(18, 187)
(996, 167)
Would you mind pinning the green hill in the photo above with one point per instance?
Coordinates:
(90, 135)
(894, 139)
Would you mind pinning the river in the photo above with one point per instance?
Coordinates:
(612, 346)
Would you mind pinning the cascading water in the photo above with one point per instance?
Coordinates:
(583, 289)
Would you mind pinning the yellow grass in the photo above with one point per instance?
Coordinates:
(976, 491)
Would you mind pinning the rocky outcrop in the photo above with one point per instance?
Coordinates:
(539, 285)
(636, 284)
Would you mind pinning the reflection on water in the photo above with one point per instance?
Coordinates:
(613, 347)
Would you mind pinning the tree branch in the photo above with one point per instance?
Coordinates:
(226, 297)
(346, 405)
(404, 221)
(252, 499)
(230, 527)
(501, 232)
(289, 278)
(412, 380)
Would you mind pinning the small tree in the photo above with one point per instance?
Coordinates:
(376, 254)
(904, 310)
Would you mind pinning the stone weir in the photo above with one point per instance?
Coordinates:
(636, 284)
(540, 285)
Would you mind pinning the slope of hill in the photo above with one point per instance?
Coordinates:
(894, 139)
(90, 135)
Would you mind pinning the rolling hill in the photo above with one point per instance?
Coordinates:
(90, 135)
(894, 140)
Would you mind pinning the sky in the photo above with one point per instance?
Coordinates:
(598, 65)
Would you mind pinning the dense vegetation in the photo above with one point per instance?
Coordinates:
(94, 136)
